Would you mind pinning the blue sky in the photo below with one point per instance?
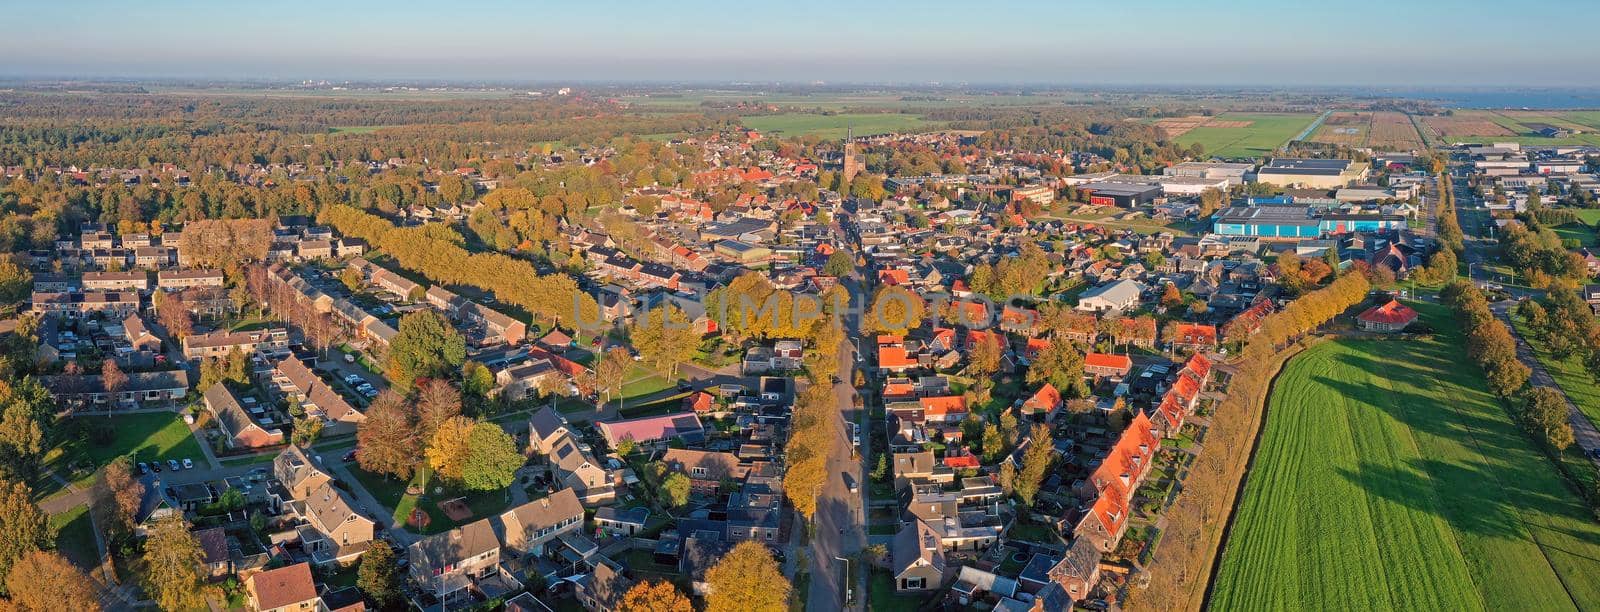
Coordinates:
(1400, 43)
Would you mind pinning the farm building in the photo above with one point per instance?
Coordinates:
(1390, 317)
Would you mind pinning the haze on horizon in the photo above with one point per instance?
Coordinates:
(1246, 42)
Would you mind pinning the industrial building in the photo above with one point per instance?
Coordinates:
(1234, 173)
(1126, 195)
(1315, 173)
(1289, 221)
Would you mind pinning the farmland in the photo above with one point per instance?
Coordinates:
(1514, 126)
(1388, 478)
(835, 126)
(1380, 130)
(1247, 134)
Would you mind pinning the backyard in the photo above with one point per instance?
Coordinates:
(1388, 478)
(391, 492)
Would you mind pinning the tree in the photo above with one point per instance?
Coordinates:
(117, 495)
(45, 581)
(379, 576)
(895, 309)
(173, 565)
(747, 579)
(1035, 462)
(983, 359)
(425, 347)
(1008, 477)
(385, 441)
(448, 448)
(26, 416)
(352, 279)
(993, 445)
(23, 527)
(665, 338)
(609, 371)
(1060, 364)
(306, 431)
(112, 378)
(437, 402)
(1171, 297)
(1545, 414)
(675, 488)
(492, 458)
(839, 264)
(476, 380)
(654, 596)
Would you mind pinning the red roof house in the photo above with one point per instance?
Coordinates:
(1387, 318)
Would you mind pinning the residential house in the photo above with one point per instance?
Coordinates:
(89, 391)
(1117, 296)
(1103, 365)
(525, 529)
(298, 384)
(451, 565)
(285, 589)
(654, 430)
(707, 470)
(916, 558)
(271, 341)
(240, 429)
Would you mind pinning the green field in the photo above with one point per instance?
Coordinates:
(1387, 478)
(834, 126)
(1266, 132)
(147, 436)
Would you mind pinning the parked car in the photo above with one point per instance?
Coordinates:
(187, 464)
(144, 468)
(155, 466)
(349, 357)
(350, 456)
(173, 465)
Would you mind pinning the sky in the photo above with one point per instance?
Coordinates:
(1147, 42)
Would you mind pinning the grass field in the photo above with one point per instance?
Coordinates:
(391, 492)
(75, 536)
(151, 436)
(1266, 132)
(1387, 478)
(1570, 373)
(835, 126)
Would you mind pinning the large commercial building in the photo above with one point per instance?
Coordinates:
(1126, 195)
(1317, 173)
(1289, 221)
(1232, 172)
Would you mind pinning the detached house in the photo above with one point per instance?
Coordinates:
(528, 527)
(334, 531)
(451, 565)
(241, 430)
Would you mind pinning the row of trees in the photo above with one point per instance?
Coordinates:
(1537, 251)
(554, 297)
(1489, 341)
(1565, 324)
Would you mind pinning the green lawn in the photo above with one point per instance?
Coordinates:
(153, 436)
(882, 598)
(1576, 231)
(1388, 479)
(75, 536)
(835, 126)
(1266, 132)
(1569, 373)
(391, 493)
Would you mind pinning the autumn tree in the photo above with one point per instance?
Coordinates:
(1035, 464)
(983, 358)
(1060, 364)
(117, 495)
(747, 579)
(425, 347)
(665, 338)
(611, 369)
(385, 441)
(448, 447)
(23, 527)
(654, 596)
(437, 402)
(379, 575)
(492, 458)
(27, 415)
(45, 581)
(174, 565)
(993, 445)
(1544, 413)
(895, 310)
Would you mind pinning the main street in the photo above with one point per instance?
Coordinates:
(840, 522)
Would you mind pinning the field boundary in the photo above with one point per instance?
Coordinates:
(1215, 566)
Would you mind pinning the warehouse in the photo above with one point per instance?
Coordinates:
(1299, 222)
(1234, 173)
(1315, 173)
(1126, 195)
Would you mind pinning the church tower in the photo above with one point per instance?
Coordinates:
(853, 163)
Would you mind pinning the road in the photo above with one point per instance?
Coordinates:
(1479, 252)
(840, 532)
